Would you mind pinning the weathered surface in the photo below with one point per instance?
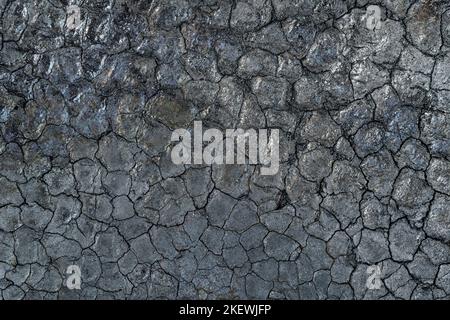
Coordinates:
(86, 113)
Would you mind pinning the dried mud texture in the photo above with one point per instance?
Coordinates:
(86, 115)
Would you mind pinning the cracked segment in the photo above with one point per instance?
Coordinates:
(88, 103)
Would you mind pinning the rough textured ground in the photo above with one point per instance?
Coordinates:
(85, 177)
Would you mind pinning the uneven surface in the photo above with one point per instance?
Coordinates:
(86, 115)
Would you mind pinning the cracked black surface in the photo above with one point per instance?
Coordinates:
(86, 179)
